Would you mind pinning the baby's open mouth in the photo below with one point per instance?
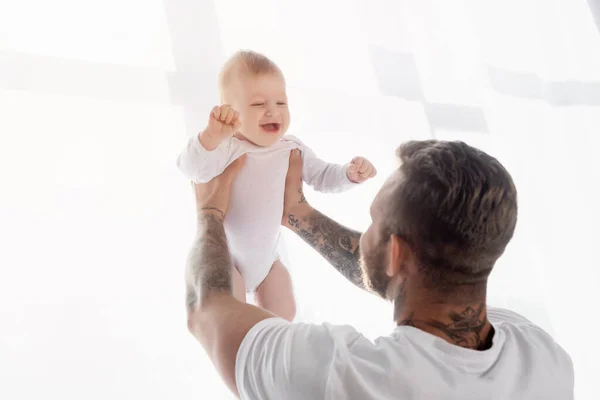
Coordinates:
(272, 127)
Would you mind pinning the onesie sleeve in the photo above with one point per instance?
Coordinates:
(321, 175)
(200, 165)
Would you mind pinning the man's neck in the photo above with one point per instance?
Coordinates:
(464, 325)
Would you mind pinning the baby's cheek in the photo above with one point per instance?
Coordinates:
(249, 120)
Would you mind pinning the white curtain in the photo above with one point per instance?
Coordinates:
(97, 99)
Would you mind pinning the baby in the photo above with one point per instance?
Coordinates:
(253, 120)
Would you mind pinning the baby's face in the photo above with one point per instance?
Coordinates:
(262, 104)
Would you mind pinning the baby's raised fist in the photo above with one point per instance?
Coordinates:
(360, 170)
(225, 114)
(223, 121)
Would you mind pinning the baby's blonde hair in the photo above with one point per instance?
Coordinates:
(245, 62)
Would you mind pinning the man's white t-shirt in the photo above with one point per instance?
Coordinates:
(281, 360)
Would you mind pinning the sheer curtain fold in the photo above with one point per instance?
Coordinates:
(96, 221)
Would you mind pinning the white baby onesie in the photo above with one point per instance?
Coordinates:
(253, 221)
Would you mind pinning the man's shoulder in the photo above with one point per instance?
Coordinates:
(323, 337)
(530, 341)
(501, 315)
(341, 333)
(276, 356)
(519, 329)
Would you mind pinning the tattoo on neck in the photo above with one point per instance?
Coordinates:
(209, 264)
(408, 321)
(463, 329)
(337, 244)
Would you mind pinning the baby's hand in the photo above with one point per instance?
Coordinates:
(223, 122)
(360, 169)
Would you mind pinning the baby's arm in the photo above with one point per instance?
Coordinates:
(321, 175)
(211, 151)
(199, 164)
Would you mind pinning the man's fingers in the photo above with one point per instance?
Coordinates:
(295, 167)
(198, 190)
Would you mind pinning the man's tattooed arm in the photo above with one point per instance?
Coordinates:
(209, 264)
(337, 244)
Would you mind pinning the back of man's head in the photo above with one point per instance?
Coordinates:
(456, 208)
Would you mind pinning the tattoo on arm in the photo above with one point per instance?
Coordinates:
(209, 263)
(337, 244)
(214, 209)
(302, 198)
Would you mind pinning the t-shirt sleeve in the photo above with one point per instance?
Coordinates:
(321, 175)
(564, 376)
(281, 360)
(200, 165)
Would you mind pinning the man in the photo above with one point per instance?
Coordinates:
(439, 224)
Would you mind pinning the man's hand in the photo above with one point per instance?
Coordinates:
(336, 243)
(360, 170)
(213, 197)
(223, 122)
(294, 201)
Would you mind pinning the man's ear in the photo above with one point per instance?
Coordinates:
(398, 251)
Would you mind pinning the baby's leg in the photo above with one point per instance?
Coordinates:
(239, 287)
(276, 293)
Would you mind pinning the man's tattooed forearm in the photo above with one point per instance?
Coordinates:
(350, 268)
(293, 221)
(302, 198)
(346, 242)
(214, 209)
(209, 263)
(308, 238)
(327, 251)
(337, 244)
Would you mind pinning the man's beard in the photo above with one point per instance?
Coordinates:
(373, 267)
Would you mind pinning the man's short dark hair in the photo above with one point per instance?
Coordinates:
(456, 208)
